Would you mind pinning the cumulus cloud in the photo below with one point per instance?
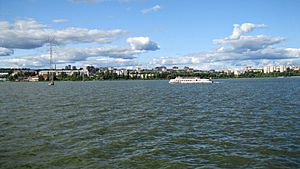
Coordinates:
(152, 9)
(25, 61)
(241, 43)
(137, 45)
(80, 54)
(238, 50)
(29, 34)
(250, 42)
(238, 30)
(122, 55)
(223, 59)
(142, 43)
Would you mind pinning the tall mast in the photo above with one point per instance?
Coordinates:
(51, 82)
(50, 54)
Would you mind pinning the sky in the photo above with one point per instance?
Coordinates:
(206, 34)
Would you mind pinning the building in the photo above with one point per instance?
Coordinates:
(188, 69)
(161, 69)
(282, 68)
(111, 68)
(269, 69)
(272, 69)
(33, 79)
(139, 70)
(175, 68)
(24, 72)
(256, 70)
(228, 72)
(68, 67)
(248, 68)
(124, 71)
(118, 72)
(4, 76)
(296, 68)
(45, 73)
(238, 72)
(266, 69)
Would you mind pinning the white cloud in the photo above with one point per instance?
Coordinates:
(238, 50)
(29, 34)
(152, 9)
(25, 61)
(5, 51)
(137, 46)
(220, 59)
(238, 30)
(142, 43)
(80, 54)
(114, 62)
(250, 42)
(241, 43)
(59, 20)
(122, 55)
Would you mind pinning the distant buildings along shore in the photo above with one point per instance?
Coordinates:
(162, 72)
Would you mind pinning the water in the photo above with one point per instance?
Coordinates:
(237, 123)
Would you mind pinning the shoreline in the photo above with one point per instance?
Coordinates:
(7, 81)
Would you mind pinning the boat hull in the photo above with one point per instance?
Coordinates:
(189, 81)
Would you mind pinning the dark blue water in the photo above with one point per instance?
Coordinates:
(237, 123)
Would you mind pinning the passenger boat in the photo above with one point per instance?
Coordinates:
(180, 80)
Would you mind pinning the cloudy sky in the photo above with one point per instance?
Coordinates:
(205, 35)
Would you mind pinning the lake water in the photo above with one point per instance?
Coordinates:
(237, 123)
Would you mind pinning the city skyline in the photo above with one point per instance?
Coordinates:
(140, 33)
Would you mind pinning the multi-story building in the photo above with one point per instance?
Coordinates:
(269, 69)
(296, 68)
(238, 72)
(282, 68)
(227, 72)
(60, 71)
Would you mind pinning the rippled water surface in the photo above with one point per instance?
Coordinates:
(237, 123)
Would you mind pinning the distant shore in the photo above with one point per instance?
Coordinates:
(149, 79)
(160, 73)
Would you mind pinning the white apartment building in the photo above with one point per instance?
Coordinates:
(282, 68)
(59, 72)
(269, 69)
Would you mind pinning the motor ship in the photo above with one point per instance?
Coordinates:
(192, 80)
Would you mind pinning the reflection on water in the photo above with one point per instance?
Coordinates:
(151, 124)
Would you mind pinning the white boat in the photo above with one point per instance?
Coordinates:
(192, 80)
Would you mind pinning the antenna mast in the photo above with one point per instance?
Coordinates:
(51, 82)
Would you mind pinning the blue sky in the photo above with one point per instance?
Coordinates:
(166, 32)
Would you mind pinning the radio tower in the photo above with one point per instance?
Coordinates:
(51, 79)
